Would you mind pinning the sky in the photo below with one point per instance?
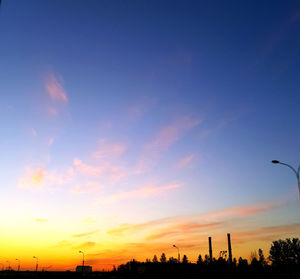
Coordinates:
(130, 126)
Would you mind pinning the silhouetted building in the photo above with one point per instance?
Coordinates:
(83, 268)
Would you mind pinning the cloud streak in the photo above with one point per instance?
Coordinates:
(194, 222)
(109, 150)
(85, 234)
(55, 89)
(164, 139)
(185, 161)
(142, 192)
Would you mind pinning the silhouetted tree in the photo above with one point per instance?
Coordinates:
(206, 259)
(253, 255)
(184, 259)
(155, 260)
(242, 262)
(200, 260)
(261, 257)
(285, 252)
(254, 263)
(163, 258)
(172, 260)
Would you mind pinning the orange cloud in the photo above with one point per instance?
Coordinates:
(268, 233)
(84, 234)
(33, 178)
(142, 192)
(164, 139)
(55, 89)
(180, 229)
(86, 245)
(41, 178)
(184, 162)
(197, 221)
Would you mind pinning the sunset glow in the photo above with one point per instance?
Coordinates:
(127, 130)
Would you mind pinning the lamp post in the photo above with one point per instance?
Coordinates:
(18, 264)
(297, 172)
(178, 252)
(37, 263)
(82, 257)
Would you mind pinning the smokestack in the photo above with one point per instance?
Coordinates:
(229, 248)
(210, 248)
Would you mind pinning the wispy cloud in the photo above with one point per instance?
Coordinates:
(87, 169)
(33, 132)
(164, 139)
(181, 228)
(185, 161)
(35, 178)
(55, 89)
(88, 187)
(247, 210)
(89, 220)
(268, 233)
(141, 192)
(85, 245)
(108, 150)
(85, 234)
(50, 141)
(196, 221)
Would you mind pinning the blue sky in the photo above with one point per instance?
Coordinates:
(167, 108)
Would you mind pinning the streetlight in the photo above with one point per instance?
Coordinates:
(297, 172)
(82, 257)
(178, 252)
(37, 263)
(18, 264)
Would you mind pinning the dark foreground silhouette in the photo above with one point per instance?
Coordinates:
(283, 262)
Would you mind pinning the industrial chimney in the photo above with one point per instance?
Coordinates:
(229, 248)
(210, 248)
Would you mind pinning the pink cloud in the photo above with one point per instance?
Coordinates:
(87, 169)
(50, 141)
(109, 150)
(247, 210)
(142, 192)
(164, 139)
(55, 89)
(185, 161)
(33, 132)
